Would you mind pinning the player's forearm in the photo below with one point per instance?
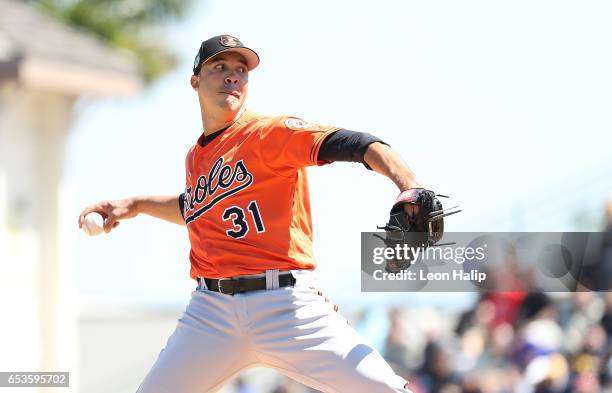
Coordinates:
(163, 207)
(382, 159)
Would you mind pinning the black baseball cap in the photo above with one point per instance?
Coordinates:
(223, 43)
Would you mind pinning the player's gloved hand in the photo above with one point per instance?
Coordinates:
(416, 220)
(112, 211)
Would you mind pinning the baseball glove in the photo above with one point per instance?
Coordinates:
(422, 229)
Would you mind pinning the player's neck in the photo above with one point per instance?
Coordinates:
(214, 122)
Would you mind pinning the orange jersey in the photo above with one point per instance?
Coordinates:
(247, 206)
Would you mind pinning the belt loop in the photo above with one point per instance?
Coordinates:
(272, 279)
(202, 283)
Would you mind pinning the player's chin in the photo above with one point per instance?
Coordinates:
(231, 103)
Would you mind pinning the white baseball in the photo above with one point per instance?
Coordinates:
(93, 225)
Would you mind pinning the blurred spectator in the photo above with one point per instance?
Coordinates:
(243, 387)
(539, 337)
(606, 373)
(547, 374)
(373, 324)
(535, 305)
(585, 310)
(281, 389)
(437, 373)
(606, 319)
(396, 346)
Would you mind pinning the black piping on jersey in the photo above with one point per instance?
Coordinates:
(181, 200)
(313, 149)
(346, 145)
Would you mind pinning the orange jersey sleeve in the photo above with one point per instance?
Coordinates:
(247, 205)
(290, 142)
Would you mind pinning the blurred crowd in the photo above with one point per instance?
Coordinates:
(507, 343)
(513, 342)
(522, 341)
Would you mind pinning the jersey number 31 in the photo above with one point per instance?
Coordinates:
(241, 226)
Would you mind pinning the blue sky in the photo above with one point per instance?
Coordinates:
(486, 101)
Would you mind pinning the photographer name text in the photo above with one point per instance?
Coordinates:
(420, 275)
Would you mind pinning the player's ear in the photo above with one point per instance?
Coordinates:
(195, 82)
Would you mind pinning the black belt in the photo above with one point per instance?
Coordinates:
(232, 286)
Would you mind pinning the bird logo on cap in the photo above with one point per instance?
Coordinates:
(229, 41)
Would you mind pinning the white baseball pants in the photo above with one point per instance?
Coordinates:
(291, 329)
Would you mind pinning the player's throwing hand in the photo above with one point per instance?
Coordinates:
(112, 211)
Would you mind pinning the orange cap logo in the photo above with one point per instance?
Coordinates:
(229, 41)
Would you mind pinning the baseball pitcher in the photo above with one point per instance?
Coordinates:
(247, 211)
